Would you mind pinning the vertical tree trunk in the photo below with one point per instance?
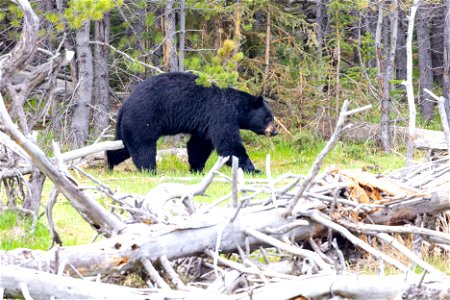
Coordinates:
(237, 26)
(101, 75)
(446, 74)
(337, 58)
(217, 32)
(83, 95)
(266, 54)
(386, 65)
(382, 81)
(393, 34)
(437, 43)
(424, 50)
(321, 35)
(409, 86)
(33, 198)
(322, 24)
(182, 35)
(400, 55)
(170, 56)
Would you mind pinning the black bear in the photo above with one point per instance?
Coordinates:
(173, 103)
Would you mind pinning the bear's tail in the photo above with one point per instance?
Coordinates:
(115, 157)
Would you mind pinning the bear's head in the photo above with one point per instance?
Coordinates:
(255, 115)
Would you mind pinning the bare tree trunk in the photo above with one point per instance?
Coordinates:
(101, 75)
(446, 75)
(83, 95)
(424, 50)
(182, 35)
(400, 55)
(266, 54)
(382, 80)
(409, 86)
(437, 43)
(386, 65)
(36, 183)
(237, 26)
(393, 32)
(321, 35)
(217, 33)
(170, 57)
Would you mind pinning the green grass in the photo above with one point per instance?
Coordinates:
(288, 154)
(16, 232)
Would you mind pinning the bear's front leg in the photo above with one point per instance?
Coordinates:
(232, 147)
(144, 156)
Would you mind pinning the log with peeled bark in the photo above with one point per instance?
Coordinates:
(191, 236)
(424, 138)
(16, 281)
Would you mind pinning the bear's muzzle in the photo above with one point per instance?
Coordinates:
(271, 130)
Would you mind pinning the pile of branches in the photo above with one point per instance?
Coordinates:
(254, 242)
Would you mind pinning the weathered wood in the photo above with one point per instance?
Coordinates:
(400, 212)
(43, 285)
(424, 139)
(347, 286)
(189, 237)
(91, 149)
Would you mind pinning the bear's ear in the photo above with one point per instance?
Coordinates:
(257, 101)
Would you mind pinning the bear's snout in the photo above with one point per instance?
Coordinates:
(271, 130)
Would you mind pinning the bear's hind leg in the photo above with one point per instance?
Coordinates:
(144, 157)
(198, 150)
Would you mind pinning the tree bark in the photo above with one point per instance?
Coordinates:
(182, 35)
(34, 196)
(437, 43)
(237, 26)
(313, 287)
(425, 64)
(446, 75)
(101, 75)
(400, 55)
(190, 236)
(83, 95)
(383, 82)
(170, 56)
(424, 138)
(409, 86)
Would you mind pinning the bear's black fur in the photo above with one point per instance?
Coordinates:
(173, 103)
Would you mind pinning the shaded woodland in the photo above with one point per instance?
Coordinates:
(304, 56)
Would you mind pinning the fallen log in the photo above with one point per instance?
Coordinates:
(351, 287)
(17, 281)
(398, 213)
(191, 236)
(424, 138)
